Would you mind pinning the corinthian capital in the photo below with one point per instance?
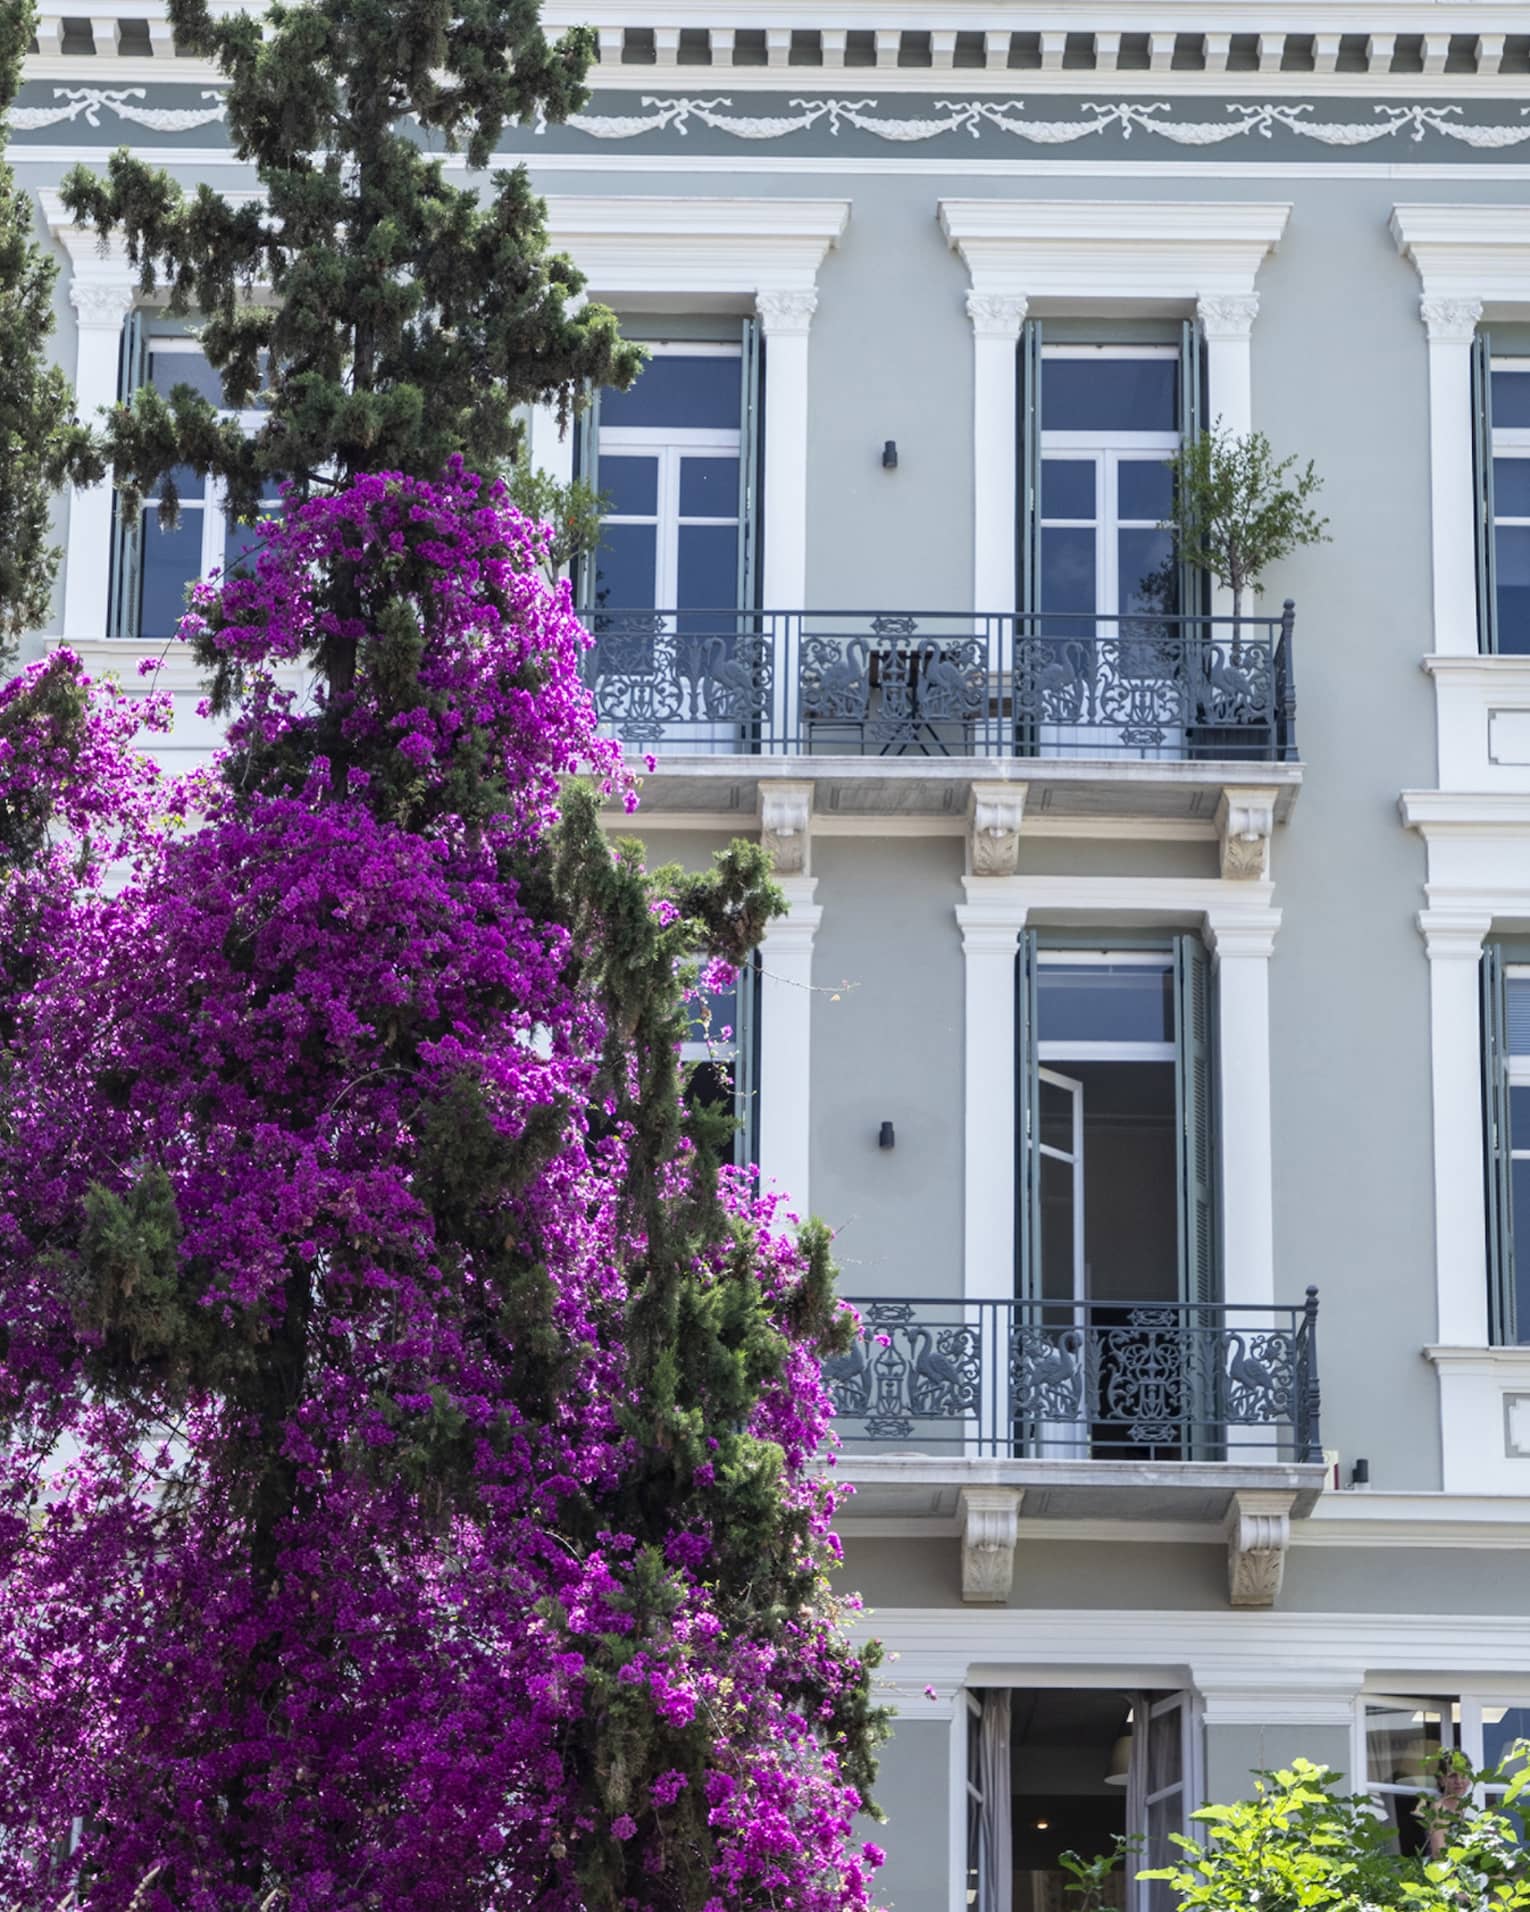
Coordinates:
(996, 315)
(1227, 315)
(102, 301)
(786, 312)
(1450, 319)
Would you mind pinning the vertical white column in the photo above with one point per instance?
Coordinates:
(1452, 325)
(1454, 945)
(1242, 951)
(996, 321)
(990, 921)
(550, 450)
(1227, 324)
(785, 318)
(101, 294)
(786, 1029)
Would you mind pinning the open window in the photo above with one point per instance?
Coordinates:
(720, 1057)
(1501, 411)
(1404, 1740)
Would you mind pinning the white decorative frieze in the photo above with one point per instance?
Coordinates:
(1258, 1535)
(990, 1518)
(786, 822)
(995, 811)
(89, 102)
(1245, 824)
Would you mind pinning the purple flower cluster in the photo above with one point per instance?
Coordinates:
(319, 1575)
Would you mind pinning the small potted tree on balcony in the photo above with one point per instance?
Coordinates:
(1238, 510)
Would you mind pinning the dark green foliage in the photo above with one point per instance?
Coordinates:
(42, 443)
(385, 319)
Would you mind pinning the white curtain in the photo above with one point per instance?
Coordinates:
(993, 1784)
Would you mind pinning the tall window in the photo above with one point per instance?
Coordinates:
(1506, 1124)
(719, 1054)
(1404, 1739)
(156, 566)
(1502, 409)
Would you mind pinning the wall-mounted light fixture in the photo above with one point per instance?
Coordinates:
(1360, 1474)
(885, 1137)
(890, 455)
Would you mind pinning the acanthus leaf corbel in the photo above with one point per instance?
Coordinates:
(990, 1518)
(1258, 1530)
(786, 826)
(1245, 825)
(995, 812)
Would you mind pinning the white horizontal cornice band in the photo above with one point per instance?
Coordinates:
(736, 247)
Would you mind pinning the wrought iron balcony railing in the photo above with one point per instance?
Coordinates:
(1124, 1380)
(946, 683)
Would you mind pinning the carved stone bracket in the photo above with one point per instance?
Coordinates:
(1258, 1534)
(1245, 824)
(990, 1519)
(786, 826)
(994, 812)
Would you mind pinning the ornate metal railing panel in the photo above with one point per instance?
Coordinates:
(878, 683)
(1151, 1380)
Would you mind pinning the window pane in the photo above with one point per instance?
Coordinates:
(709, 488)
(1503, 1727)
(1067, 488)
(678, 390)
(1104, 1002)
(624, 567)
(1519, 1221)
(1402, 1744)
(1511, 545)
(169, 369)
(1067, 569)
(708, 578)
(245, 540)
(1144, 489)
(712, 1018)
(1511, 487)
(1517, 993)
(1056, 1117)
(631, 484)
(1511, 397)
(1147, 570)
(1057, 1263)
(171, 560)
(1109, 394)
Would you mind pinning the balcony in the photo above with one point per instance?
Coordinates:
(902, 711)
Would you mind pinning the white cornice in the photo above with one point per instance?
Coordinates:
(1117, 249)
(689, 245)
(1472, 812)
(1469, 253)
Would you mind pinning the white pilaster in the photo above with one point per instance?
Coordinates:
(1242, 949)
(101, 291)
(1227, 324)
(1452, 325)
(996, 321)
(550, 449)
(785, 318)
(990, 924)
(786, 1028)
(1454, 943)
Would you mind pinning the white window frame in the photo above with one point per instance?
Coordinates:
(1461, 1708)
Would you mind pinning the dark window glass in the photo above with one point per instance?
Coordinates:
(1499, 1735)
(678, 390)
(169, 369)
(1109, 395)
(624, 567)
(243, 541)
(171, 560)
(1147, 572)
(709, 488)
(1511, 397)
(1519, 1196)
(1057, 1264)
(1511, 547)
(631, 484)
(1144, 489)
(708, 567)
(1511, 487)
(1104, 1002)
(1067, 488)
(712, 1017)
(1067, 569)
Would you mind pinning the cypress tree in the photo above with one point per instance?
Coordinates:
(42, 443)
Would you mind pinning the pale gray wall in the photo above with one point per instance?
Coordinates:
(1234, 1754)
(913, 1788)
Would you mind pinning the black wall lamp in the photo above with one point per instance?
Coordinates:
(890, 454)
(885, 1137)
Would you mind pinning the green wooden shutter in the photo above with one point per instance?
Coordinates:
(748, 468)
(1192, 422)
(123, 590)
(1482, 503)
(1195, 1101)
(1027, 1125)
(587, 470)
(1503, 1327)
(1030, 470)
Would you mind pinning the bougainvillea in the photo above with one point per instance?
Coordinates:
(407, 1497)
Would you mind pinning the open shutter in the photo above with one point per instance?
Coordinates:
(1027, 1125)
(1192, 422)
(127, 539)
(1482, 503)
(1196, 1107)
(1030, 470)
(587, 471)
(748, 465)
(1503, 1328)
